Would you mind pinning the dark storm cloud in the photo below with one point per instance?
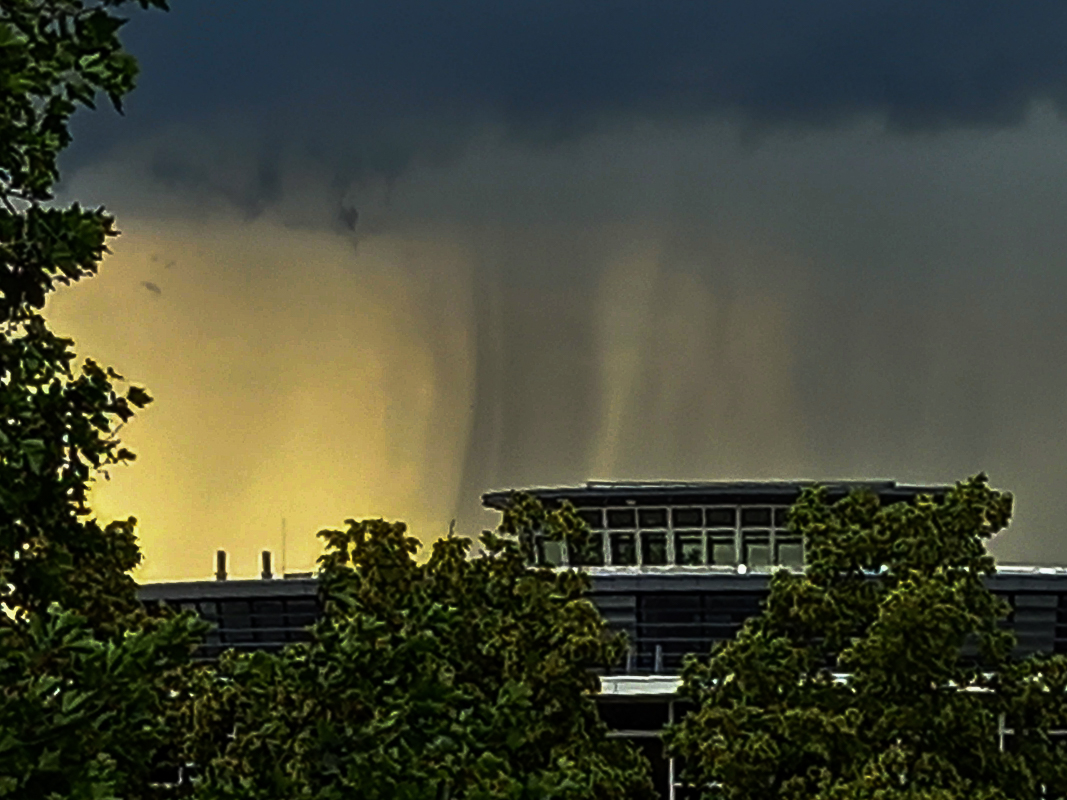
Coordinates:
(253, 190)
(650, 300)
(368, 86)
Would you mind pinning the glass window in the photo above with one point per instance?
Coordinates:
(721, 548)
(721, 517)
(623, 550)
(790, 553)
(688, 517)
(781, 517)
(591, 554)
(593, 517)
(652, 517)
(622, 518)
(687, 548)
(654, 548)
(549, 553)
(757, 547)
(760, 517)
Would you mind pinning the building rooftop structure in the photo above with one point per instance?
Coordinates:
(610, 492)
(729, 526)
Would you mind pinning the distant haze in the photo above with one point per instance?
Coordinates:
(689, 241)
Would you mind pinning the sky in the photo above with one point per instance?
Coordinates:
(377, 259)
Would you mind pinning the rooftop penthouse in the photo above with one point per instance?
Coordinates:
(735, 526)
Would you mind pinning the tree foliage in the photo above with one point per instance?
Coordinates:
(58, 423)
(81, 716)
(883, 671)
(54, 56)
(87, 680)
(456, 678)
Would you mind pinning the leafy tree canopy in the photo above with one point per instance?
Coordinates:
(87, 681)
(881, 672)
(456, 678)
(54, 56)
(84, 717)
(58, 424)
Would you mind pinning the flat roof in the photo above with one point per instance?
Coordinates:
(177, 591)
(1009, 578)
(601, 493)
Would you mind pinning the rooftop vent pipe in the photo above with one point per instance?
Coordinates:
(266, 574)
(220, 565)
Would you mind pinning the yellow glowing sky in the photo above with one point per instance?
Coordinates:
(294, 377)
(297, 377)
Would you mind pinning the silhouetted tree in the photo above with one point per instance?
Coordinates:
(87, 681)
(456, 678)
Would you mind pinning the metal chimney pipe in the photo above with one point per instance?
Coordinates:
(220, 565)
(266, 574)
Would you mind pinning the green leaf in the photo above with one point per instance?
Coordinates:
(34, 452)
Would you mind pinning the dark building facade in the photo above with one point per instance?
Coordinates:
(677, 566)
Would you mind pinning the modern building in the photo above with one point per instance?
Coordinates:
(678, 566)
